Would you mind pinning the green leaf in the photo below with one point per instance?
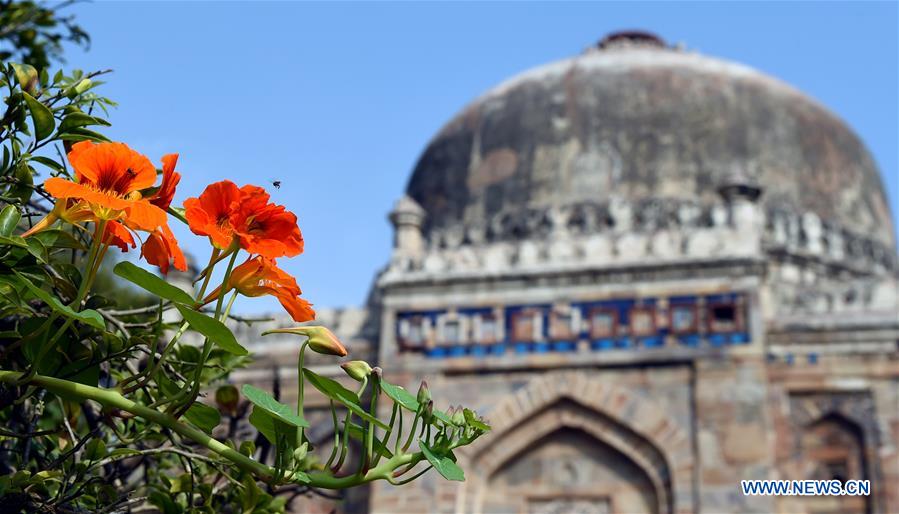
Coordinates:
(275, 421)
(48, 162)
(9, 220)
(44, 123)
(56, 238)
(87, 316)
(213, 329)
(95, 449)
(400, 396)
(358, 433)
(332, 389)
(273, 407)
(472, 420)
(82, 134)
(37, 249)
(82, 371)
(203, 416)
(79, 119)
(26, 74)
(439, 414)
(264, 423)
(442, 463)
(16, 241)
(22, 188)
(152, 283)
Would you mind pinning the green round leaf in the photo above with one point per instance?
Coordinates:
(41, 116)
(152, 283)
(213, 329)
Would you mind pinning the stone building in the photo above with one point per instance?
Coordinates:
(657, 274)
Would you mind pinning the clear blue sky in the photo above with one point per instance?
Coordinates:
(338, 100)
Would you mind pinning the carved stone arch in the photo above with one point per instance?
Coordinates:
(853, 414)
(630, 424)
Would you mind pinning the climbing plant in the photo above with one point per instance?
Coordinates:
(101, 403)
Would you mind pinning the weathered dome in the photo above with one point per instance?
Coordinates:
(634, 119)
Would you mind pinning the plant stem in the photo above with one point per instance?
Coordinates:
(91, 269)
(367, 459)
(179, 408)
(112, 399)
(336, 436)
(386, 440)
(301, 379)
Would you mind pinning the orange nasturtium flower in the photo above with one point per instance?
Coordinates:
(162, 198)
(118, 235)
(109, 177)
(210, 214)
(161, 249)
(265, 228)
(260, 276)
(227, 214)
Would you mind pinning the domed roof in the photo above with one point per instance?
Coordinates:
(633, 119)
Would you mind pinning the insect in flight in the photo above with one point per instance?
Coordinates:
(275, 182)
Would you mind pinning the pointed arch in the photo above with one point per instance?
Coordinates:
(631, 424)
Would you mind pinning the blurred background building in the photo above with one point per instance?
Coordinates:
(657, 274)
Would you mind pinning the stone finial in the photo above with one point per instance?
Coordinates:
(739, 185)
(741, 193)
(408, 219)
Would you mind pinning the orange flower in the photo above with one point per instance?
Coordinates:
(260, 276)
(209, 215)
(162, 198)
(265, 228)
(109, 177)
(118, 235)
(161, 249)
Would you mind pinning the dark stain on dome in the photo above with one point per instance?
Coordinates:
(646, 121)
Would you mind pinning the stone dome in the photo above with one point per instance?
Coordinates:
(634, 120)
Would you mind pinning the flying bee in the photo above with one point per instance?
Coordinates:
(275, 182)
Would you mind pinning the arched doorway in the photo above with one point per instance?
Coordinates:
(833, 448)
(570, 471)
(568, 457)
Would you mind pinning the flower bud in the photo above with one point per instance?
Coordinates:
(458, 416)
(320, 339)
(428, 411)
(227, 397)
(357, 370)
(300, 453)
(424, 394)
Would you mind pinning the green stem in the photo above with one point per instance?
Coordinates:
(413, 477)
(366, 461)
(194, 390)
(213, 259)
(344, 446)
(84, 287)
(386, 440)
(399, 435)
(225, 279)
(301, 379)
(336, 436)
(152, 367)
(412, 432)
(228, 307)
(112, 399)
